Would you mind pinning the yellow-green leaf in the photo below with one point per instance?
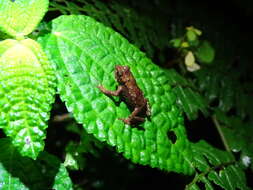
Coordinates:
(27, 88)
(190, 62)
(20, 17)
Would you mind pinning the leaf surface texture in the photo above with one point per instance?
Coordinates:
(20, 17)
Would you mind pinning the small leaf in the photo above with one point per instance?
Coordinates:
(190, 63)
(191, 35)
(185, 45)
(205, 53)
(195, 30)
(62, 180)
(176, 43)
(70, 162)
(27, 88)
(189, 59)
(19, 18)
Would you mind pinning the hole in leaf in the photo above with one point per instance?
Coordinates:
(2, 134)
(27, 140)
(172, 136)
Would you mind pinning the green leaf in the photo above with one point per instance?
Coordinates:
(174, 78)
(190, 102)
(196, 31)
(238, 136)
(23, 173)
(20, 17)
(223, 89)
(85, 53)
(188, 98)
(7, 181)
(217, 167)
(176, 43)
(27, 88)
(191, 35)
(71, 162)
(205, 53)
(190, 63)
(62, 180)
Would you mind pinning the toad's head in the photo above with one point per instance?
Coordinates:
(122, 73)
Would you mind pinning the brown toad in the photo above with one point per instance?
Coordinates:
(131, 94)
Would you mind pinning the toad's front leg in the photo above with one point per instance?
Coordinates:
(109, 92)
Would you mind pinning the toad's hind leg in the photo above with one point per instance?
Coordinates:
(133, 116)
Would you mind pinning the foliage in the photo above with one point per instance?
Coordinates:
(189, 43)
(204, 82)
(216, 167)
(18, 172)
(188, 97)
(147, 32)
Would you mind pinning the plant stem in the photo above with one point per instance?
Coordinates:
(218, 127)
(62, 118)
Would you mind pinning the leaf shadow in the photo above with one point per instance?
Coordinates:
(35, 174)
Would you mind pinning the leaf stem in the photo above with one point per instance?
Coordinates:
(218, 127)
(62, 118)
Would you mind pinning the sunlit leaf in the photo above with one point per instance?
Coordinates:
(19, 18)
(27, 88)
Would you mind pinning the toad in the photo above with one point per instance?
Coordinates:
(131, 94)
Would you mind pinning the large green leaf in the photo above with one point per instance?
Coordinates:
(19, 17)
(23, 173)
(85, 53)
(27, 88)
